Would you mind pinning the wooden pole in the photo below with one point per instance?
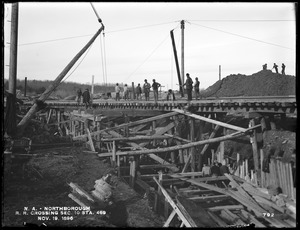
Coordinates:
(178, 147)
(177, 65)
(254, 147)
(25, 86)
(114, 154)
(192, 149)
(132, 172)
(55, 83)
(219, 72)
(182, 50)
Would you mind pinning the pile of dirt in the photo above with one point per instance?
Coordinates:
(262, 83)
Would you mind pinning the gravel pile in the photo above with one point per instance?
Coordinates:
(262, 83)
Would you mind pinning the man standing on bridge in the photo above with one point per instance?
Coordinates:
(86, 98)
(146, 88)
(117, 90)
(155, 86)
(189, 86)
(197, 88)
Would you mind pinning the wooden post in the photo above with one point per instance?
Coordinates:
(219, 72)
(192, 138)
(55, 83)
(222, 148)
(263, 129)
(262, 176)
(153, 128)
(254, 148)
(182, 50)
(25, 86)
(172, 153)
(114, 151)
(132, 172)
(49, 116)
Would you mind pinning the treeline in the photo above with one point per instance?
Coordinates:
(65, 89)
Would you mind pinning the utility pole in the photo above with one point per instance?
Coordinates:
(219, 72)
(11, 117)
(182, 50)
(177, 65)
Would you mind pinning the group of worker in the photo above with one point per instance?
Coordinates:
(85, 96)
(138, 91)
(216, 169)
(276, 68)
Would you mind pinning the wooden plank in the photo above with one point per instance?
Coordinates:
(229, 207)
(170, 218)
(217, 219)
(235, 220)
(268, 202)
(174, 148)
(254, 146)
(291, 181)
(208, 198)
(252, 219)
(188, 222)
(210, 120)
(195, 212)
(90, 140)
(131, 124)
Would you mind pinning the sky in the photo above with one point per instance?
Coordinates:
(136, 44)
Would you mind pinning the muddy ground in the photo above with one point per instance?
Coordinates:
(44, 183)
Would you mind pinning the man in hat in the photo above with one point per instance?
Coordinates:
(146, 88)
(189, 86)
(155, 86)
(86, 98)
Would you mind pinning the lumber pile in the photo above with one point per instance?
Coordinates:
(100, 197)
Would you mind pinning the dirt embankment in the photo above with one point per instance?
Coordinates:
(262, 83)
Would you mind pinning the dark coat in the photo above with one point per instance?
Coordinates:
(86, 96)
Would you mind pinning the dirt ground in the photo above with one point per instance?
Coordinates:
(262, 83)
(43, 183)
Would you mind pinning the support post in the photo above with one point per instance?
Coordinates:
(114, 151)
(192, 137)
(254, 148)
(182, 50)
(25, 86)
(219, 72)
(132, 172)
(177, 65)
(92, 90)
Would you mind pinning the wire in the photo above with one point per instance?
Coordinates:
(253, 39)
(54, 40)
(147, 58)
(239, 20)
(76, 66)
(140, 27)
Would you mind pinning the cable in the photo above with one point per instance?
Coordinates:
(253, 39)
(147, 58)
(139, 27)
(240, 20)
(59, 39)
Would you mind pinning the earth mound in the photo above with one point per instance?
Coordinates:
(262, 83)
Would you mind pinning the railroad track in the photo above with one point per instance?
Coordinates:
(262, 104)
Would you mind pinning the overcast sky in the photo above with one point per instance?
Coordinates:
(240, 37)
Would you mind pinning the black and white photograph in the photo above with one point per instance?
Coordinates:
(149, 114)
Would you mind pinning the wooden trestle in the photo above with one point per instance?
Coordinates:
(176, 184)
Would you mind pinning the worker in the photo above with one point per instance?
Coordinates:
(117, 90)
(138, 91)
(283, 69)
(146, 88)
(223, 168)
(155, 86)
(275, 67)
(215, 170)
(189, 86)
(86, 98)
(125, 96)
(79, 95)
(265, 67)
(170, 94)
(197, 88)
